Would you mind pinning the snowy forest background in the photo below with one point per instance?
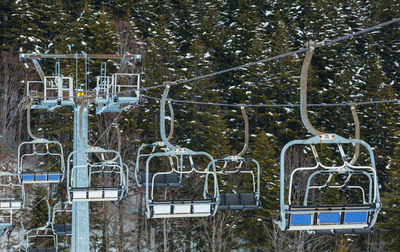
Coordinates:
(182, 39)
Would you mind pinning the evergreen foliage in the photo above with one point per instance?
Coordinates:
(184, 39)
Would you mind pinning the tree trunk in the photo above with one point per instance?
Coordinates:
(121, 226)
(165, 235)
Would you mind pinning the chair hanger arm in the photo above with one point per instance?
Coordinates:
(246, 132)
(171, 111)
(303, 90)
(162, 116)
(356, 135)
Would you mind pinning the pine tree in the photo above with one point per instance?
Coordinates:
(262, 149)
(391, 203)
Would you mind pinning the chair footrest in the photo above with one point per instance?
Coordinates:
(95, 193)
(10, 204)
(181, 208)
(345, 231)
(329, 219)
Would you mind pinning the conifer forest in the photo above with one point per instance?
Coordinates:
(191, 149)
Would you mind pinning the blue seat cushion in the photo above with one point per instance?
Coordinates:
(300, 219)
(355, 217)
(329, 218)
(28, 177)
(55, 177)
(41, 177)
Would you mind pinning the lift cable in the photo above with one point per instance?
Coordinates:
(111, 125)
(325, 43)
(278, 105)
(321, 44)
(42, 199)
(108, 128)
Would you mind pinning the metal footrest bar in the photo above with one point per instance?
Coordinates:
(181, 208)
(95, 193)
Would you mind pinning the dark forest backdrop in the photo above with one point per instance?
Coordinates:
(182, 39)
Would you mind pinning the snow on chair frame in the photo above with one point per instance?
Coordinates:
(175, 208)
(333, 218)
(105, 167)
(166, 180)
(240, 200)
(41, 149)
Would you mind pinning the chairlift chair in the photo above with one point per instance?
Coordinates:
(114, 93)
(63, 228)
(165, 180)
(329, 218)
(38, 150)
(187, 207)
(12, 198)
(15, 198)
(112, 168)
(240, 200)
(41, 233)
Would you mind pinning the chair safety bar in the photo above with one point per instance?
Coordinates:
(41, 233)
(192, 207)
(106, 167)
(165, 180)
(354, 218)
(239, 200)
(29, 177)
(13, 182)
(61, 208)
(41, 147)
(45, 232)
